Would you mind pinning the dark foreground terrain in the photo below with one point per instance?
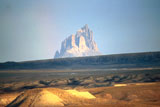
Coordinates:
(12, 81)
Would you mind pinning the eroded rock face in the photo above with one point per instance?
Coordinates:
(80, 44)
(51, 97)
(37, 98)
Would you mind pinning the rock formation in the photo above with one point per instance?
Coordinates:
(52, 97)
(80, 44)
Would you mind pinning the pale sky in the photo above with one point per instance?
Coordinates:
(34, 29)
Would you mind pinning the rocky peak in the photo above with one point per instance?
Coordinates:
(80, 44)
(85, 28)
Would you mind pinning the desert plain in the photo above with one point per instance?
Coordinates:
(97, 88)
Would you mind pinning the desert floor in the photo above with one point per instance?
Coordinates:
(98, 88)
(119, 95)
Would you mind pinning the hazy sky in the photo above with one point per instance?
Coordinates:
(34, 29)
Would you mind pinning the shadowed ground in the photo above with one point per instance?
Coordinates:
(13, 81)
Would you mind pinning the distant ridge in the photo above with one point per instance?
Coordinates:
(127, 60)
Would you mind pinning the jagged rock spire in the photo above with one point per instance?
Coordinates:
(80, 44)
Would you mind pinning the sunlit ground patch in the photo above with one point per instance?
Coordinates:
(81, 94)
(120, 85)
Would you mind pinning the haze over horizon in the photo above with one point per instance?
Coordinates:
(33, 30)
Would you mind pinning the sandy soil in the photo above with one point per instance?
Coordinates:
(125, 95)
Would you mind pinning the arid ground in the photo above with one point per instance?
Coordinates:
(124, 95)
(112, 87)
